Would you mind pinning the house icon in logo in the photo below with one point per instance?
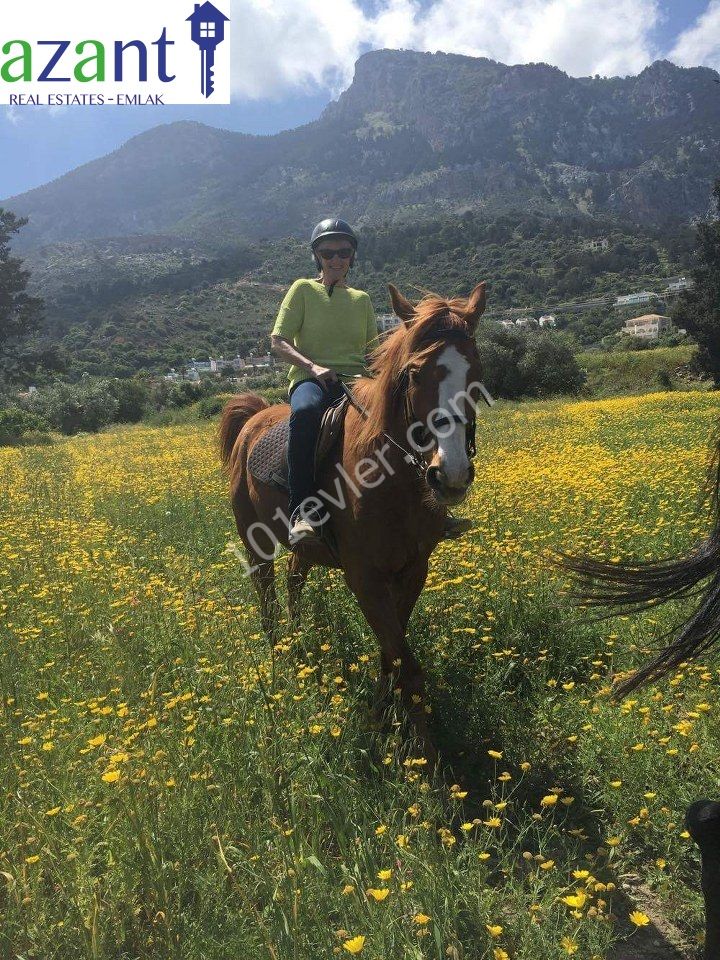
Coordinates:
(208, 30)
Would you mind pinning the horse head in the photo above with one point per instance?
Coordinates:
(429, 370)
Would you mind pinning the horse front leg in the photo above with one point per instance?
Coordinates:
(399, 667)
(263, 578)
(297, 571)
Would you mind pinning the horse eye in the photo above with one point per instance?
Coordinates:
(413, 372)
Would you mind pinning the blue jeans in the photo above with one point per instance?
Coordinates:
(308, 402)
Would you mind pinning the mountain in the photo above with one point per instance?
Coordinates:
(415, 135)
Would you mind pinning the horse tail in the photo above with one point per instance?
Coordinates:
(631, 587)
(236, 413)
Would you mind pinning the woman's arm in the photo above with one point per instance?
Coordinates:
(286, 351)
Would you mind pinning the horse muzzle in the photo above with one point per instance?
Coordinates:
(447, 492)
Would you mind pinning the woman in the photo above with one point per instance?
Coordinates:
(325, 330)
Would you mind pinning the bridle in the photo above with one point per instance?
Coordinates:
(412, 421)
(412, 457)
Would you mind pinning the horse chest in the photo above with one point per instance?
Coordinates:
(395, 530)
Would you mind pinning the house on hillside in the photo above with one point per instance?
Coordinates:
(386, 322)
(601, 243)
(547, 320)
(677, 286)
(650, 326)
(642, 297)
(264, 361)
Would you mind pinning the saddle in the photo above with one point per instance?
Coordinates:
(268, 460)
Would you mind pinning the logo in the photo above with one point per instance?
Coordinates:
(208, 30)
(130, 54)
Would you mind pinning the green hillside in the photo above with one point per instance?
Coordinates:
(639, 371)
(120, 306)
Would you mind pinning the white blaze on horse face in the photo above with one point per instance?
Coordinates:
(452, 455)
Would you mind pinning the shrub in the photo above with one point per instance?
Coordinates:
(501, 349)
(209, 407)
(517, 364)
(132, 397)
(88, 405)
(549, 366)
(17, 424)
(664, 380)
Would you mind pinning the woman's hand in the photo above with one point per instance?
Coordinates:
(324, 374)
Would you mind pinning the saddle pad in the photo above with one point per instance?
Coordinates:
(268, 458)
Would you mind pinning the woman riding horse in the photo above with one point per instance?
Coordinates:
(324, 329)
(405, 455)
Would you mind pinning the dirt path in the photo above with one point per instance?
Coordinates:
(660, 940)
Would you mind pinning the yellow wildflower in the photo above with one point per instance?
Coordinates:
(354, 945)
(378, 895)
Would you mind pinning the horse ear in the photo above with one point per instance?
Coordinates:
(402, 307)
(475, 305)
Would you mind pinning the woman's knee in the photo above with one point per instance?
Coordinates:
(307, 403)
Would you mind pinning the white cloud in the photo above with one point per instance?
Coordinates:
(294, 44)
(13, 116)
(304, 44)
(699, 45)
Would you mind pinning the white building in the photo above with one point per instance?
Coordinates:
(386, 322)
(676, 286)
(266, 360)
(601, 243)
(642, 297)
(547, 320)
(650, 326)
(200, 366)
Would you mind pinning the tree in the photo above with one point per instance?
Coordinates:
(549, 366)
(20, 313)
(698, 311)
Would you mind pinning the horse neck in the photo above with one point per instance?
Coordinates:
(394, 426)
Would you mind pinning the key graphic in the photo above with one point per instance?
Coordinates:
(208, 30)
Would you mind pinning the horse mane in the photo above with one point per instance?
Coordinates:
(434, 316)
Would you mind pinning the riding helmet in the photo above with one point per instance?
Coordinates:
(332, 227)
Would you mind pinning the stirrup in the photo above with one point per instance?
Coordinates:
(306, 526)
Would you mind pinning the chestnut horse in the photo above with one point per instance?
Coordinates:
(388, 511)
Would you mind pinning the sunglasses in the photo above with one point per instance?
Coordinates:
(344, 254)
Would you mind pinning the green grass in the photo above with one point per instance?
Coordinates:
(638, 371)
(174, 787)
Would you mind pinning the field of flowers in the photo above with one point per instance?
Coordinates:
(172, 787)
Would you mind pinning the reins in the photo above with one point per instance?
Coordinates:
(409, 457)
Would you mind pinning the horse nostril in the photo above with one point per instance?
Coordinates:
(433, 476)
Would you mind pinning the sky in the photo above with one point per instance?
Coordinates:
(292, 57)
